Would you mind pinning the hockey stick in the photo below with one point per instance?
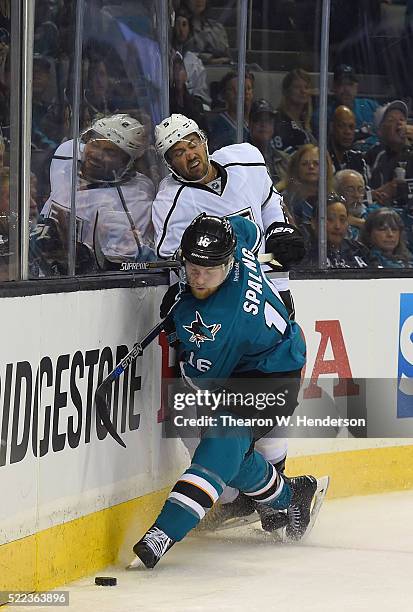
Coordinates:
(102, 390)
(175, 264)
(104, 387)
(133, 227)
(270, 259)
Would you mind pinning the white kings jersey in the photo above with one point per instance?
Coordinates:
(246, 190)
(93, 198)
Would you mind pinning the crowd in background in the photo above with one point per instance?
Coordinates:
(370, 140)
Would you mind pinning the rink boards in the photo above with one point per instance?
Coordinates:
(69, 492)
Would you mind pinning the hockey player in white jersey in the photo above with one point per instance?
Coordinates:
(110, 193)
(232, 181)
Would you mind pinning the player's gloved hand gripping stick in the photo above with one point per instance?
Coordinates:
(102, 391)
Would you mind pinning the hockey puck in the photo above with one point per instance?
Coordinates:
(105, 581)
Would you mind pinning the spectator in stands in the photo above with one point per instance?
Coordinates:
(342, 130)
(341, 251)
(384, 235)
(46, 32)
(345, 90)
(350, 184)
(223, 127)
(8, 219)
(34, 209)
(2, 149)
(4, 77)
(58, 119)
(113, 201)
(393, 154)
(300, 186)
(261, 126)
(180, 100)
(4, 223)
(293, 118)
(195, 69)
(209, 38)
(97, 101)
(41, 78)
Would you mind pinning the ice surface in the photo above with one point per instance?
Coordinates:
(358, 557)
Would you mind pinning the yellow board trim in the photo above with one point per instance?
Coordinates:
(360, 472)
(80, 547)
(74, 549)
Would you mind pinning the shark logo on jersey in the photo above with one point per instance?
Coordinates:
(201, 332)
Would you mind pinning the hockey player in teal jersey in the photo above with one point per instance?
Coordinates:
(248, 311)
(230, 326)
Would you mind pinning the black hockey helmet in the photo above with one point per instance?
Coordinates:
(208, 241)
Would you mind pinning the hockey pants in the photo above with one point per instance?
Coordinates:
(224, 456)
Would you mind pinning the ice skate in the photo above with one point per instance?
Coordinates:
(299, 511)
(272, 519)
(154, 544)
(226, 516)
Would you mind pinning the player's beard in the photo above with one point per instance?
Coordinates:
(198, 173)
(102, 173)
(202, 294)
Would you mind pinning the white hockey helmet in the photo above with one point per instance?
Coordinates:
(124, 131)
(173, 129)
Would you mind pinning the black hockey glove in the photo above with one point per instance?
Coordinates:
(170, 297)
(286, 242)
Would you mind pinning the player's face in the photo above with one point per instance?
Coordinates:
(337, 223)
(386, 238)
(103, 160)
(353, 189)
(204, 281)
(189, 158)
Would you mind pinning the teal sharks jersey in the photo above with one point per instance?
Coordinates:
(243, 326)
